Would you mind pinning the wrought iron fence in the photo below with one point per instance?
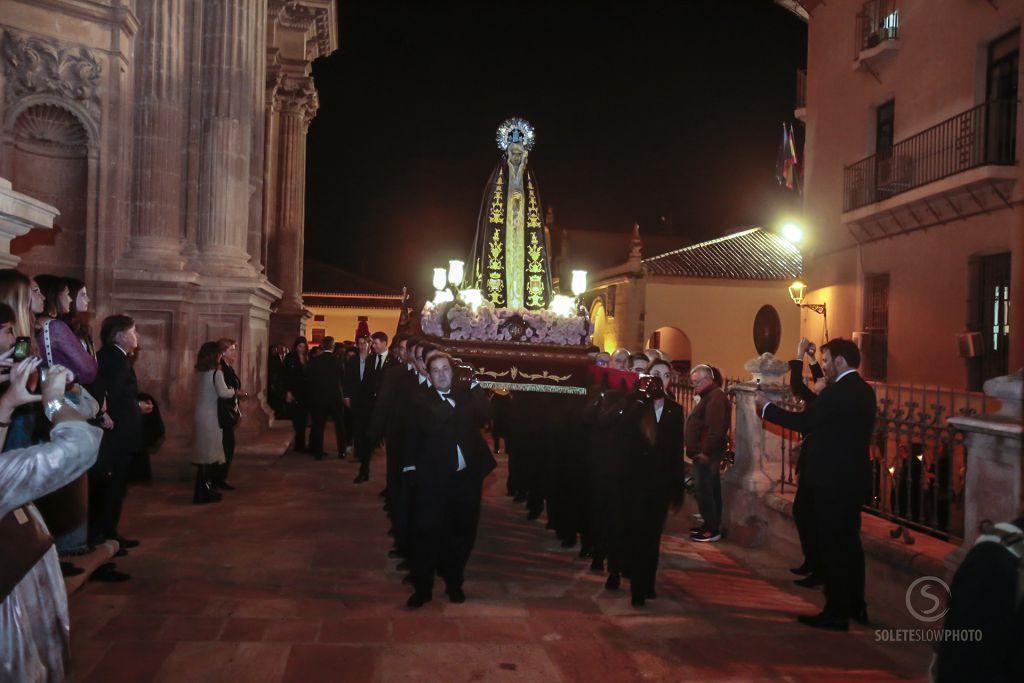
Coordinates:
(918, 461)
(877, 22)
(982, 135)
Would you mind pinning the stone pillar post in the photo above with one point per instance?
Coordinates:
(995, 448)
(758, 453)
(156, 219)
(296, 103)
(226, 134)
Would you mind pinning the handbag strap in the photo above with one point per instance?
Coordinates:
(47, 344)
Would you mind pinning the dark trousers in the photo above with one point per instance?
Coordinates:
(300, 417)
(361, 442)
(395, 454)
(444, 529)
(228, 440)
(708, 489)
(806, 526)
(645, 542)
(842, 556)
(319, 413)
(106, 498)
(402, 512)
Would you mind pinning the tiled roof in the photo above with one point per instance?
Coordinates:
(323, 278)
(332, 300)
(753, 254)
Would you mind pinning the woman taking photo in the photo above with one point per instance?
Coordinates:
(229, 414)
(208, 449)
(23, 296)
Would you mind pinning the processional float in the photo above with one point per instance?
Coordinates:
(501, 314)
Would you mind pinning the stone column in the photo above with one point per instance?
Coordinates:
(758, 453)
(995, 448)
(226, 137)
(156, 220)
(296, 103)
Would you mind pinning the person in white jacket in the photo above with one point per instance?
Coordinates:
(34, 626)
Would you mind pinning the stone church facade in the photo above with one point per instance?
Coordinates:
(171, 136)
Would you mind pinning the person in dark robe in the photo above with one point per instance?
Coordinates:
(296, 391)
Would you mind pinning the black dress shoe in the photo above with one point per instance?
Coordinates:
(320, 456)
(417, 600)
(861, 616)
(612, 584)
(802, 570)
(457, 596)
(360, 479)
(403, 566)
(810, 581)
(108, 573)
(825, 621)
(126, 542)
(68, 569)
(638, 601)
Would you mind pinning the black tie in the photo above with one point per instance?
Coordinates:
(380, 361)
(447, 397)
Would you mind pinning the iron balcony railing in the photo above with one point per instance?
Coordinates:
(877, 22)
(983, 135)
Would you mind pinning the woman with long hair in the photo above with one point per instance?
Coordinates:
(229, 414)
(77, 316)
(208, 448)
(295, 390)
(22, 294)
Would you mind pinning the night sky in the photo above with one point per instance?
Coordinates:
(668, 114)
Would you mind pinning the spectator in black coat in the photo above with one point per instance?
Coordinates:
(326, 400)
(359, 389)
(295, 391)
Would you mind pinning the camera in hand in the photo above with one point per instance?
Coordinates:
(650, 387)
(22, 348)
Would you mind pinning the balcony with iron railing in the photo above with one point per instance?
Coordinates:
(876, 29)
(983, 135)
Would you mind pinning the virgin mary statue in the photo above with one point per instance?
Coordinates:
(510, 259)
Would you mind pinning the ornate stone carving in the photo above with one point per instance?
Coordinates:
(298, 95)
(297, 14)
(48, 124)
(41, 66)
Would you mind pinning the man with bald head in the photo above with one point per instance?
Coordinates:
(707, 437)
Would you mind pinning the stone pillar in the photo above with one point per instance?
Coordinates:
(19, 213)
(758, 453)
(995, 447)
(296, 103)
(226, 138)
(155, 237)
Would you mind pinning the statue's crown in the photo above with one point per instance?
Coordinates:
(515, 130)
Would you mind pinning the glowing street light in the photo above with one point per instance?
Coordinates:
(792, 232)
(796, 292)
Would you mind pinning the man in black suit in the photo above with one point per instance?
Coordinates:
(326, 400)
(803, 503)
(359, 398)
(840, 422)
(452, 460)
(395, 381)
(116, 385)
(276, 380)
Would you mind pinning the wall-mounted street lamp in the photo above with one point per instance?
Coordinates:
(796, 293)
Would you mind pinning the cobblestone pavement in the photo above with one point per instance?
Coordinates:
(287, 579)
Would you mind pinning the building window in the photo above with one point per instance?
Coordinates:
(318, 318)
(1001, 98)
(875, 337)
(994, 315)
(318, 335)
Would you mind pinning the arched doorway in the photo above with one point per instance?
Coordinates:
(51, 163)
(599, 317)
(674, 343)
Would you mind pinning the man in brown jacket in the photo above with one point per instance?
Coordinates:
(707, 437)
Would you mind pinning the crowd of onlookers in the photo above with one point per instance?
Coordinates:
(74, 429)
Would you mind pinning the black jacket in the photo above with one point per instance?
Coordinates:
(324, 378)
(796, 380)
(359, 389)
(841, 421)
(117, 385)
(442, 428)
(390, 410)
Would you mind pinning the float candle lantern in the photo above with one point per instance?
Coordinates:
(456, 271)
(439, 278)
(579, 282)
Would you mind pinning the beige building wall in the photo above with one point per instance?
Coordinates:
(938, 71)
(341, 323)
(718, 318)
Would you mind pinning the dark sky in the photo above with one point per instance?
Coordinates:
(665, 113)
